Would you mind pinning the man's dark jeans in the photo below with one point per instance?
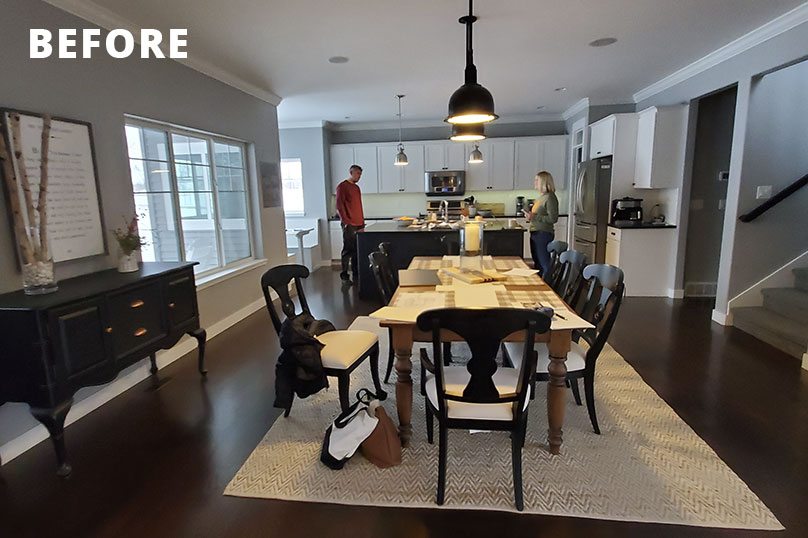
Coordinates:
(349, 251)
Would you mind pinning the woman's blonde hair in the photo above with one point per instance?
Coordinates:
(545, 180)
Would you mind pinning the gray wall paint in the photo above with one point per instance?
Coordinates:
(598, 112)
(775, 243)
(713, 146)
(776, 154)
(308, 146)
(101, 90)
(545, 128)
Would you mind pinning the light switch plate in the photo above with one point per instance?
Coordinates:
(764, 192)
(722, 204)
(723, 175)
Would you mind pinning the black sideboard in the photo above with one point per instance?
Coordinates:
(87, 332)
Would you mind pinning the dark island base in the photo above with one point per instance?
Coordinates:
(407, 243)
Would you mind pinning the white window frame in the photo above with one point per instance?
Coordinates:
(294, 213)
(210, 138)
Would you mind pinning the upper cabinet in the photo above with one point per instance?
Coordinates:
(535, 154)
(409, 178)
(442, 155)
(495, 173)
(343, 156)
(660, 159)
(601, 137)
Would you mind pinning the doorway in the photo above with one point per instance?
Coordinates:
(708, 192)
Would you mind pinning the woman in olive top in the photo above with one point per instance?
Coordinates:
(542, 216)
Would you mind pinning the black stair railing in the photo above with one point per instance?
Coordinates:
(774, 200)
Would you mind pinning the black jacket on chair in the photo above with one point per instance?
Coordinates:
(300, 369)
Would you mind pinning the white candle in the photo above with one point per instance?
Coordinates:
(472, 239)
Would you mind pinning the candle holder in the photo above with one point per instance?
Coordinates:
(471, 245)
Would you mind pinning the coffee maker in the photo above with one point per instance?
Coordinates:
(626, 212)
(520, 204)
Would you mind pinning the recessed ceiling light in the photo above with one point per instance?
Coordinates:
(338, 60)
(603, 42)
(347, 117)
(561, 89)
(539, 107)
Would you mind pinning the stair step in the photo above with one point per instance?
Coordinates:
(801, 278)
(779, 331)
(789, 302)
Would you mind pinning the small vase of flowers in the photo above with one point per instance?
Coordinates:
(129, 242)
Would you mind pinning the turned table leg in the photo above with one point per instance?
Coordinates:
(402, 343)
(556, 389)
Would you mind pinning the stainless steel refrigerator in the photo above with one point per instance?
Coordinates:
(592, 188)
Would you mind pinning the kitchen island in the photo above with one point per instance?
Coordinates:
(407, 243)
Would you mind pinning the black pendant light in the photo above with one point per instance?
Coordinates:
(470, 103)
(468, 132)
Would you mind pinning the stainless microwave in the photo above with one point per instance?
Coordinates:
(445, 182)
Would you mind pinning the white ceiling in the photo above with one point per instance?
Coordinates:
(523, 48)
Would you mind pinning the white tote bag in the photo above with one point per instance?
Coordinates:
(349, 429)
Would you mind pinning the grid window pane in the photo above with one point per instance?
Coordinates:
(177, 182)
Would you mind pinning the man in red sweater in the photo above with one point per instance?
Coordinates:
(349, 207)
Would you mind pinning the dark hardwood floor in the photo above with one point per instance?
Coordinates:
(154, 461)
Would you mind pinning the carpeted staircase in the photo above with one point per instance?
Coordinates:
(782, 321)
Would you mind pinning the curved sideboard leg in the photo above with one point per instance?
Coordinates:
(201, 337)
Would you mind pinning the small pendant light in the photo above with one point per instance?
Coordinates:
(476, 156)
(401, 157)
(468, 132)
(471, 103)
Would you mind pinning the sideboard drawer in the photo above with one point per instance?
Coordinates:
(136, 318)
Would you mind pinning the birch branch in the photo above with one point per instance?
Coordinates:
(23, 180)
(42, 206)
(14, 202)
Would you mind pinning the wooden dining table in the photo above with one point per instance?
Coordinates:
(524, 291)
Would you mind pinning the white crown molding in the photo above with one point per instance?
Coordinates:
(416, 124)
(103, 17)
(302, 124)
(581, 105)
(773, 28)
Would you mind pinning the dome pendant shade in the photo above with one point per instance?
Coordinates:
(468, 132)
(471, 102)
(401, 157)
(476, 156)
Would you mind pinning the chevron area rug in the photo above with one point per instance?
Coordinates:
(647, 465)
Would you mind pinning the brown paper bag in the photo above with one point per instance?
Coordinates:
(383, 447)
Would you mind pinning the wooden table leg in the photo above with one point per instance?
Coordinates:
(556, 389)
(402, 343)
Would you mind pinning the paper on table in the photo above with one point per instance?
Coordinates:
(423, 300)
(460, 284)
(520, 272)
(566, 319)
(397, 314)
(455, 260)
(476, 296)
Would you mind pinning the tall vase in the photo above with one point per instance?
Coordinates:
(38, 276)
(127, 263)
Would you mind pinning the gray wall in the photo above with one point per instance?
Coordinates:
(743, 263)
(101, 90)
(598, 112)
(308, 146)
(495, 129)
(713, 146)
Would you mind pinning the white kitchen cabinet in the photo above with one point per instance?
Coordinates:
(647, 257)
(477, 176)
(335, 238)
(660, 157)
(559, 231)
(392, 178)
(495, 173)
(534, 154)
(601, 137)
(444, 155)
(364, 155)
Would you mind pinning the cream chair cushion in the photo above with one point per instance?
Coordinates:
(575, 358)
(343, 348)
(456, 379)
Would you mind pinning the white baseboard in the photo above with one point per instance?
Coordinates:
(805, 361)
(36, 435)
(722, 318)
(676, 294)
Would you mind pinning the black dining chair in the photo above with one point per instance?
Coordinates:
(343, 351)
(382, 272)
(600, 298)
(571, 263)
(555, 248)
(480, 395)
(386, 248)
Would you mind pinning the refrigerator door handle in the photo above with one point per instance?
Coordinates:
(578, 204)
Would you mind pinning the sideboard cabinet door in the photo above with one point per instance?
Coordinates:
(80, 340)
(181, 298)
